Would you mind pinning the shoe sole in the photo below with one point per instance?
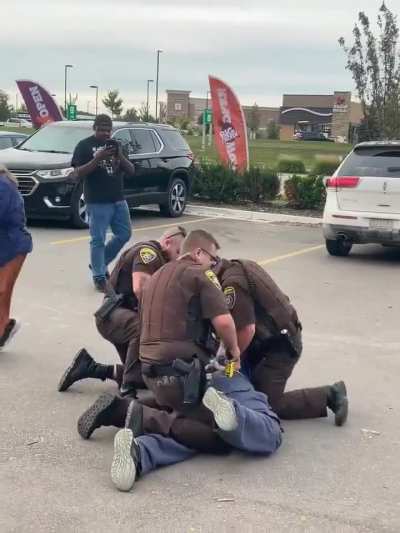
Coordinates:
(222, 409)
(12, 334)
(342, 414)
(61, 385)
(123, 467)
(87, 421)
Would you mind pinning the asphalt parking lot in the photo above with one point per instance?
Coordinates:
(323, 478)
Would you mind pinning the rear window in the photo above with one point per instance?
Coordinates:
(175, 140)
(372, 161)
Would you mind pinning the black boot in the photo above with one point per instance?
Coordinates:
(107, 410)
(338, 402)
(84, 366)
(125, 468)
(128, 391)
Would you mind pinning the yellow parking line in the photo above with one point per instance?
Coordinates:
(289, 255)
(135, 230)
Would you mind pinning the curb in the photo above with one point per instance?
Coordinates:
(255, 216)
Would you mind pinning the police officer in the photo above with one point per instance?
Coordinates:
(270, 339)
(120, 325)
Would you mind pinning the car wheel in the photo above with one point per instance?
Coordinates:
(339, 247)
(79, 214)
(177, 199)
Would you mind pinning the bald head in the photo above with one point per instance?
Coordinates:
(171, 241)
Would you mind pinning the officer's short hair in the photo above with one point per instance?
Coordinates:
(174, 232)
(198, 238)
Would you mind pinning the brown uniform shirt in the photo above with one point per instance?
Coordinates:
(144, 257)
(176, 306)
(263, 304)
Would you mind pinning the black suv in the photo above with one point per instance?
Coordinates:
(162, 158)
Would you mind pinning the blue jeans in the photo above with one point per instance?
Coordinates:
(101, 217)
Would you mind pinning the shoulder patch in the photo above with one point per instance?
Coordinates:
(213, 278)
(230, 297)
(147, 255)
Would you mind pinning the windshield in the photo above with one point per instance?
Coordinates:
(59, 139)
(372, 161)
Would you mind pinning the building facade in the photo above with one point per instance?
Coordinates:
(334, 115)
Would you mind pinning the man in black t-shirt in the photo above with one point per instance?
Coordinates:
(102, 169)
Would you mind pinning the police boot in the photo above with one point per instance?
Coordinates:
(84, 366)
(125, 467)
(107, 410)
(338, 402)
(127, 390)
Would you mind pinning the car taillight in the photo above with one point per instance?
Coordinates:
(342, 182)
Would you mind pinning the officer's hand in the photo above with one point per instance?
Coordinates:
(235, 356)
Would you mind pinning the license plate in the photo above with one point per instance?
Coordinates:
(380, 224)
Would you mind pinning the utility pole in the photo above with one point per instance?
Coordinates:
(157, 80)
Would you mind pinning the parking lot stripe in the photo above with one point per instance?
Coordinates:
(135, 230)
(290, 255)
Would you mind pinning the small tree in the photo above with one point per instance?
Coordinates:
(5, 108)
(273, 130)
(131, 115)
(374, 62)
(254, 120)
(113, 103)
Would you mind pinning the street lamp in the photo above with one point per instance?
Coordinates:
(97, 94)
(147, 104)
(66, 67)
(157, 78)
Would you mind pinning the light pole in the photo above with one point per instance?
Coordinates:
(66, 67)
(97, 94)
(157, 78)
(147, 102)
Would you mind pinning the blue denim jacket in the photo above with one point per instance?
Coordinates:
(14, 237)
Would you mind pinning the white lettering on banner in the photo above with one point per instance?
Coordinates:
(37, 98)
(228, 133)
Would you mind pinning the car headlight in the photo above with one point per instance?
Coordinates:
(56, 173)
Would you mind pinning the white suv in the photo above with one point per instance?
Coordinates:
(363, 198)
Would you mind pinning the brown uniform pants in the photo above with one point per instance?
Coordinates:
(194, 426)
(270, 376)
(122, 329)
(8, 276)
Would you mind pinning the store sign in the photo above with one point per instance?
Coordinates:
(340, 105)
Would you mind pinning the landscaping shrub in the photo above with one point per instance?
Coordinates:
(291, 166)
(305, 192)
(218, 183)
(325, 167)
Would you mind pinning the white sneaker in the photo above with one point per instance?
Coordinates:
(125, 463)
(11, 329)
(222, 408)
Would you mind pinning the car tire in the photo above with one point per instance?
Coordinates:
(339, 247)
(177, 199)
(79, 216)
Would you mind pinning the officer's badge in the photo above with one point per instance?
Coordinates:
(230, 297)
(147, 255)
(213, 278)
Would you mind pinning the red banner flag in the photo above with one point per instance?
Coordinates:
(229, 123)
(40, 104)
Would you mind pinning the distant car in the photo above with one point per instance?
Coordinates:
(312, 136)
(42, 164)
(8, 139)
(363, 198)
(18, 123)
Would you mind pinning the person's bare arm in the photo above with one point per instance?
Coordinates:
(225, 328)
(245, 336)
(126, 165)
(86, 169)
(138, 281)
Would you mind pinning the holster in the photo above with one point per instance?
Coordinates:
(193, 380)
(110, 302)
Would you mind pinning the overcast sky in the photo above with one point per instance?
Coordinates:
(263, 48)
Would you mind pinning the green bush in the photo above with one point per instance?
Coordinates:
(305, 192)
(291, 166)
(216, 182)
(324, 168)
